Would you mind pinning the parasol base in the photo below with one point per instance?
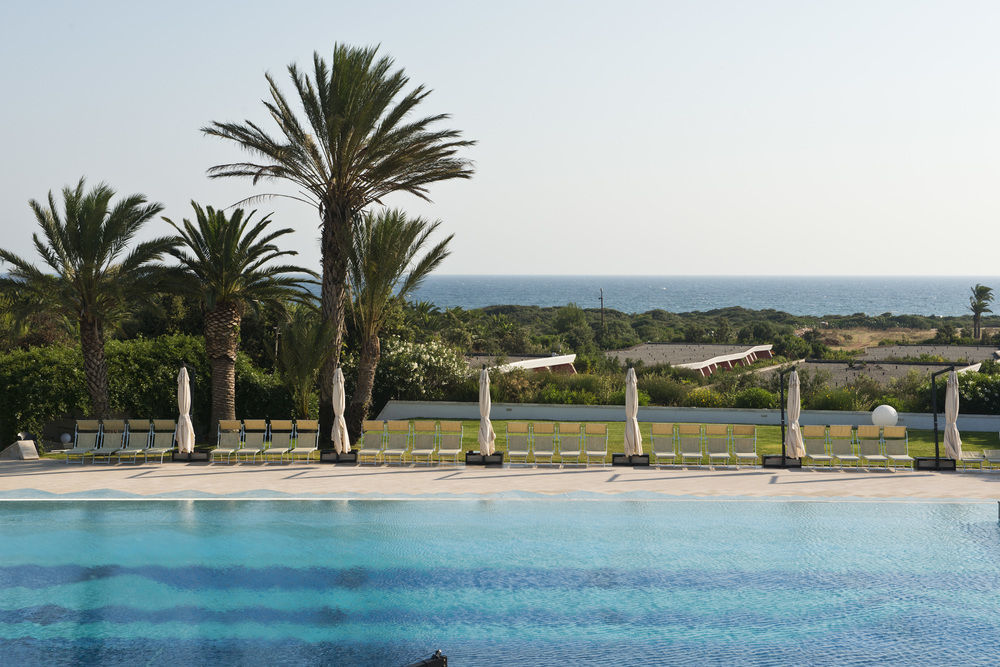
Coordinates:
(929, 463)
(640, 460)
(494, 460)
(779, 461)
(330, 456)
(188, 457)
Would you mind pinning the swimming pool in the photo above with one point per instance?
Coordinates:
(499, 582)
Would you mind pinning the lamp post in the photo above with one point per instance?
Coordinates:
(937, 449)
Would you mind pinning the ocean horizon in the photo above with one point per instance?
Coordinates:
(799, 295)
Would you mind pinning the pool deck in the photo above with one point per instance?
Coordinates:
(304, 480)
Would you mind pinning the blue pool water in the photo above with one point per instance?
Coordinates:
(509, 582)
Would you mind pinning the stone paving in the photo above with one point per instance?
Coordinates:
(306, 480)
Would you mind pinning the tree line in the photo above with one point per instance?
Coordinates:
(346, 140)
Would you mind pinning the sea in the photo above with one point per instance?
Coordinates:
(799, 295)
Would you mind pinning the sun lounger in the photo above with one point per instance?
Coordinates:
(372, 441)
(86, 435)
(306, 441)
(595, 442)
(689, 443)
(229, 441)
(972, 459)
(991, 457)
(163, 440)
(280, 440)
(814, 439)
(398, 440)
(450, 441)
(663, 442)
(842, 445)
(896, 446)
(112, 435)
(745, 443)
(424, 441)
(543, 441)
(136, 440)
(254, 434)
(717, 443)
(518, 446)
(870, 446)
(570, 442)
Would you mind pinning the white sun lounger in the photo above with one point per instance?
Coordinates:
(86, 436)
(112, 437)
(870, 446)
(991, 457)
(229, 441)
(163, 440)
(398, 440)
(842, 445)
(254, 434)
(814, 439)
(424, 441)
(570, 442)
(136, 440)
(717, 443)
(663, 442)
(280, 440)
(372, 441)
(595, 442)
(897, 446)
(306, 440)
(689, 443)
(543, 441)
(745, 444)
(518, 445)
(450, 441)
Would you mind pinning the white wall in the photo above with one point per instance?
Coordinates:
(542, 412)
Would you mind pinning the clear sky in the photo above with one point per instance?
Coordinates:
(703, 137)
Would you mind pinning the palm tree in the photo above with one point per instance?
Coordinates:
(357, 145)
(305, 345)
(979, 303)
(383, 270)
(226, 263)
(96, 278)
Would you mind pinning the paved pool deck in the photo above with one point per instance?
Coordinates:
(305, 480)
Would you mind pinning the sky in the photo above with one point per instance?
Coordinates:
(652, 138)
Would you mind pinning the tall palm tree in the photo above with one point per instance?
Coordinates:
(305, 345)
(384, 268)
(95, 277)
(227, 263)
(979, 303)
(355, 144)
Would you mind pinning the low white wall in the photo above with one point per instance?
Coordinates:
(543, 412)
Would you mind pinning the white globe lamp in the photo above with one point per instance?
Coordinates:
(884, 415)
(65, 438)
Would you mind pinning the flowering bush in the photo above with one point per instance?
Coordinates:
(431, 371)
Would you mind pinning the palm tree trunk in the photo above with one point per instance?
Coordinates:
(222, 339)
(95, 367)
(975, 325)
(361, 399)
(333, 301)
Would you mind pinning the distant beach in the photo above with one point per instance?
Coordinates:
(817, 296)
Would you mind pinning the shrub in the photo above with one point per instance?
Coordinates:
(755, 397)
(836, 399)
(663, 391)
(703, 397)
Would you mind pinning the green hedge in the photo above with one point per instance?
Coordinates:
(41, 384)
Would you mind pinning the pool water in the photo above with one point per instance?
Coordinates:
(537, 582)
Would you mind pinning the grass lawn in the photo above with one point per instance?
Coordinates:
(768, 439)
